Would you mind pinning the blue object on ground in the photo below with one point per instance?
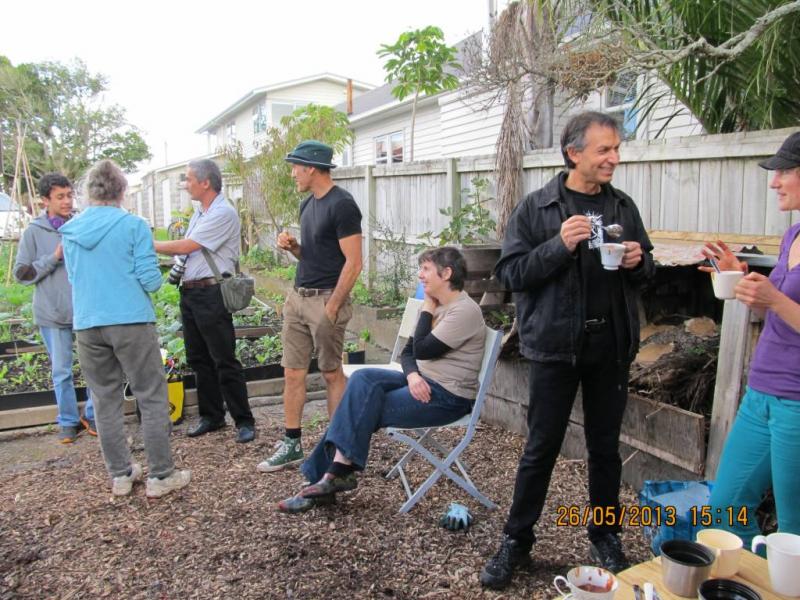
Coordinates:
(457, 517)
(420, 293)
(666, 510)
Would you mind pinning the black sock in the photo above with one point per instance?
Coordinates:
(338, 469)
(293, 433)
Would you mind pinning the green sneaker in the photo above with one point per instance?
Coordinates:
(288, 452)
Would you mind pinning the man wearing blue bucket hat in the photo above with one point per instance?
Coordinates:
(317, 311)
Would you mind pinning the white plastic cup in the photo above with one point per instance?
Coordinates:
(783, 561)
(611, 256)
(724, 283)
(728, 548)
(579, 578)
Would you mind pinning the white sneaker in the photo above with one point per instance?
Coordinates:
(122, 485)
(160, 487)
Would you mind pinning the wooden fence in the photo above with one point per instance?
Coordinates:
(708, 183)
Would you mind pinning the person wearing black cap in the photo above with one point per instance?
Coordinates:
(317, 311)
(763, 446)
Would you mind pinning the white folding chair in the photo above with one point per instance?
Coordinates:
(407, 325)
(420, 440)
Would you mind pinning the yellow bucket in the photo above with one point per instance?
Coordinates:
(175, 398)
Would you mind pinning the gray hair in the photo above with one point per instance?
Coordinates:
(574, 134)
(105, 182)
(206, 169)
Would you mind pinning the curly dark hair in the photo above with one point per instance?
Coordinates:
(51, 180)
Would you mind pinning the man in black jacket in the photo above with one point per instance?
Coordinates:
(578, 325)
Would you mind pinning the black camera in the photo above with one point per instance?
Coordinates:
(177, 270)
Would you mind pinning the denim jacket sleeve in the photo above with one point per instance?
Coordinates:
(527, 262)
(145, 263)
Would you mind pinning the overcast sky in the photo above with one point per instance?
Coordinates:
(174, 65)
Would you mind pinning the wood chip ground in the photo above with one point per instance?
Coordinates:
(62, 535)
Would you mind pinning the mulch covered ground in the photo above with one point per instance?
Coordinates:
(62, 535)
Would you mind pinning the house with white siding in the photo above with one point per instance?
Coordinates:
(161, 191)
(246, 121)
(450, 124)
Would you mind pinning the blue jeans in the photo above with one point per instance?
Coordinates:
(58, 341)
(373, 399)
(762, 448)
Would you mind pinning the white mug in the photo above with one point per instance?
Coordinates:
(582, 577)
(728, 548)
(724, 284)
(611, 256)
(783, 559)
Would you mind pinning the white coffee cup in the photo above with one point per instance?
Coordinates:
(611, 256)
(728, 548)
(783, 560)
(580, 580)
(724, 283)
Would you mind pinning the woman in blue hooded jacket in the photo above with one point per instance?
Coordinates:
(112, 266)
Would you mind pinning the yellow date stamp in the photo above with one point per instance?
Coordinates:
(648, 516)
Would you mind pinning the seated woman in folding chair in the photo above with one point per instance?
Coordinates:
(441, 362)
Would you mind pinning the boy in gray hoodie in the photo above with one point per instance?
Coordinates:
(40, 262)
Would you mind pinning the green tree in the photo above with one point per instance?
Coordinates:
(734, 64)
(419, 63)
(66, 123)
(268, 175)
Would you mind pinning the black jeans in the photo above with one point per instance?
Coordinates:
(211, 353)
(604, 385)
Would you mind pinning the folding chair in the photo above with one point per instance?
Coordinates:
(425, 438)
(407, 325)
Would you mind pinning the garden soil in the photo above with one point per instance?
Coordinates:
(62, 534)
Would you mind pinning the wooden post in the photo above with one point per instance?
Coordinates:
(738, 337)
(453, 182)
(370, 249)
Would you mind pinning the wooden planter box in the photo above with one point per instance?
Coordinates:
(14, 348)
(657, 441)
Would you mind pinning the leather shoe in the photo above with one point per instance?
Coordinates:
(203, 427)
(326, 486)
(247, 433)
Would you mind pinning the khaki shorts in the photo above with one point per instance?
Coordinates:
(306, 327)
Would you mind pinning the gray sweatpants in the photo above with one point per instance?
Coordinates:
(106, 355)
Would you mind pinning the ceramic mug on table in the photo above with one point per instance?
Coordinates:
(783, 560)
(728, 548)
(587, 583)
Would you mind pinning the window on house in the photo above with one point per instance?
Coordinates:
(389, 148)
(260, 118)
(347, 156)
(281, 110)
(230, 132)
(619, 101)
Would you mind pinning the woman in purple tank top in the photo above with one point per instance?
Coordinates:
(763, 447)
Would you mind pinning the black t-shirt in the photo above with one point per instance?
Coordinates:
(602, 289)
(323, 222)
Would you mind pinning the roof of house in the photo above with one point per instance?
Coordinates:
(261, 91)
(381, 99)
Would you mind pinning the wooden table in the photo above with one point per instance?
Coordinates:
(752, 572)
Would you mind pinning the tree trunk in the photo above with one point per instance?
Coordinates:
(540, 117)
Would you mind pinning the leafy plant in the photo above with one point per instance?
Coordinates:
(419, 63)
(470, 224)
(365, 335)
(350, 347)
